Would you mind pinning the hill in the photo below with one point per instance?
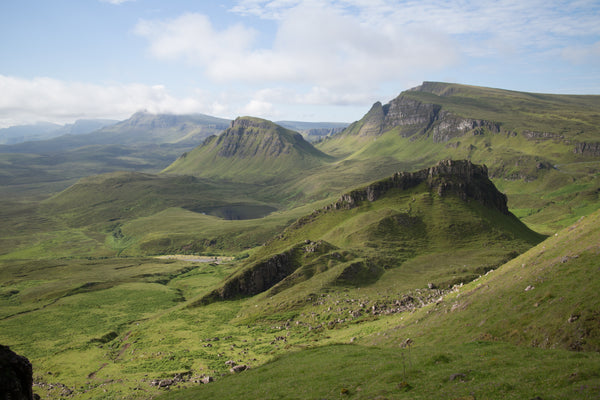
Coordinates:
(145, 142)
(541, 150)
(385, 250)
(527, 329)
(22, 133)
(251, 150)
(445, 212)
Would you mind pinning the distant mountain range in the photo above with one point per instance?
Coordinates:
(47, 130)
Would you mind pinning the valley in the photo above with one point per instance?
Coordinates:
(443, 246)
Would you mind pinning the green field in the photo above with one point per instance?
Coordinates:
(342, 280)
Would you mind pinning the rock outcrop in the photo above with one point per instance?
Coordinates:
(416, 117)
(263, 275)
(462, 178)
(588, 149)
(16, 376)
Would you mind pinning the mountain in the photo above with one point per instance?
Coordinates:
(141, 129)
(22, 133)
(145, 142)
(46, 130)
(251, 150)
(82, 126)
(541, 150)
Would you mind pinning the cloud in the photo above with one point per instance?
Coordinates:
(335, 49)
(193, 38)
(28, 100)
(116, 2)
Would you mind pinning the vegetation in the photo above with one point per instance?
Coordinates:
(314, 270)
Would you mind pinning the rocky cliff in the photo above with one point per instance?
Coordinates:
(462, 178)
(416, 117)
(588, 149)
(264, 274)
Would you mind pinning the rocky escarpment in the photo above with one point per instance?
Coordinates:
(264, 274)
(416, 117)
(588, 149)
(16, 376)
(462, 178)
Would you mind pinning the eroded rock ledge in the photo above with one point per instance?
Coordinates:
(461, 178)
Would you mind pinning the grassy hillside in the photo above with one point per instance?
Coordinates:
(541, 150)
(89, 218)
(386, 262)
(528, 329)
(252, 150)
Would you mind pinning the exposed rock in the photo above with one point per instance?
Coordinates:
(265, 274)
(16, 376)
(467, 180)
(409, 113)
(449, 126)
(458, 377)
(588, 149)
(532, 135)
(414, 116)
(373, 121)
(165, 383)
(207, 379)
(239, 368)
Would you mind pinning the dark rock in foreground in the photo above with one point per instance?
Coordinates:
(16, 376)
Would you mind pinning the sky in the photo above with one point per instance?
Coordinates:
(302, 60)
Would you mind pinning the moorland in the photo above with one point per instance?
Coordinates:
(445, 245)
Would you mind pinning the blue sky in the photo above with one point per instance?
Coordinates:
(309, 60)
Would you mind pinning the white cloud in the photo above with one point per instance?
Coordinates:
(259, 108)
(315, 44)
(116, 2)
(193, 38)
(28, 100)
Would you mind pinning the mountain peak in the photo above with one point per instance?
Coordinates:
(252, 122)
(251, 149)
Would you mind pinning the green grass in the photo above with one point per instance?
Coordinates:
(78, 297)
(480, 369)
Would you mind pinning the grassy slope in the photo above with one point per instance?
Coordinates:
(87, 219)
(489, 339)
(106, 328)
(547, 198)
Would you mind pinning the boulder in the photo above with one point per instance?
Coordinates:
(16, 376)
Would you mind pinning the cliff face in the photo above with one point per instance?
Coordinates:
(588, 149)
(265, 274)
(462, 178)
(416, 117)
